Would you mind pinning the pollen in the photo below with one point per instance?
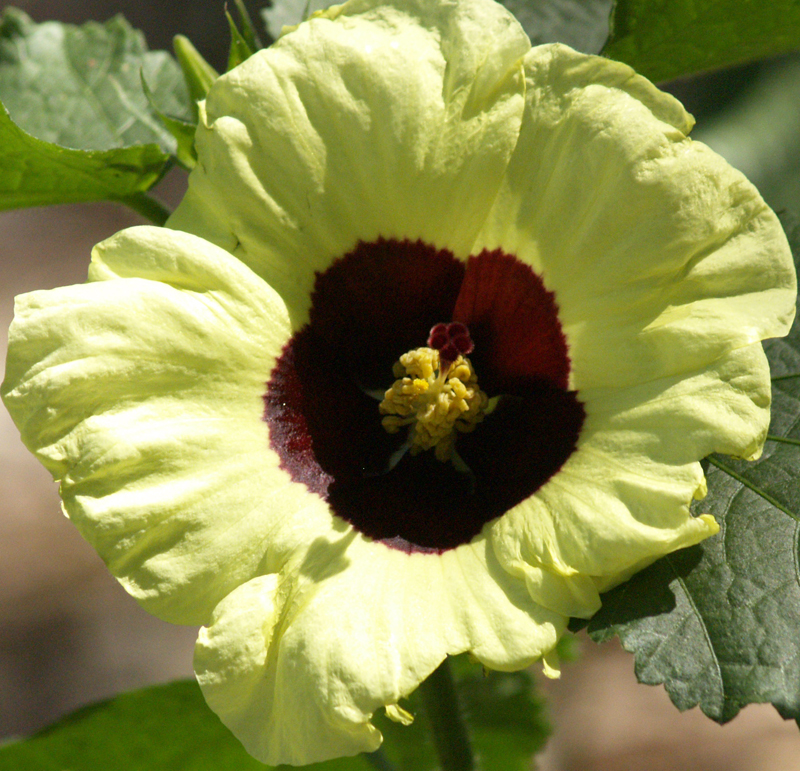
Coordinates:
(435, 399)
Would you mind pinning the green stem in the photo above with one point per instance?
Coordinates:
(450, 735)
(148, 207)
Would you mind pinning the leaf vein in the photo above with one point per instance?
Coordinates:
(783, 439)
(751, 486)
(702, 623)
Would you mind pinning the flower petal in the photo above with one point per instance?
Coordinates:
(662, 257)
(141, 392)
(622, 500)
(296, 664)
(667, 269)
(392, 119)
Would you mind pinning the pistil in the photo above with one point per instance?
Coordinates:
(435, 395)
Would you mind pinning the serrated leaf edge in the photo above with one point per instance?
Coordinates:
(709, 643)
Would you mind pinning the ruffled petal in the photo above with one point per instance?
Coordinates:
(622, 499)
(667, 269)
(296, 664)
(662, 257)
(142, 393)
(375, 119)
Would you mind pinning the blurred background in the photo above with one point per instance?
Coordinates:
(69, 635)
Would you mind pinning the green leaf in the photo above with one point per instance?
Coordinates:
(718, 624)
(581, 24)
(163, 728)
(168, 727)
(79, 87)
(667, 39)
(35, 173)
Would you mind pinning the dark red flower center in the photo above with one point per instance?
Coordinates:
(368, 308)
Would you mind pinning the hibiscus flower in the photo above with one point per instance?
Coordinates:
(425, 361)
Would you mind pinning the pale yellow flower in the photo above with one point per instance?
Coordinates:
(210, 400)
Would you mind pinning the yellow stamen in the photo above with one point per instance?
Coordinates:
(433, 401)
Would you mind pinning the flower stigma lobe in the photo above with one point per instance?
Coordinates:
(451, 341)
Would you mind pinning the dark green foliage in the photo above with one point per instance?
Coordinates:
(667, 39)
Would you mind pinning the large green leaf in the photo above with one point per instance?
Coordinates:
(169, 727)
(718, 624)
(80, 87)
(163, 728)
(667, 39)
(75, 122)
(34, 172)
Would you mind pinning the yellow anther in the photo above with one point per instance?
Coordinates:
(433, 403)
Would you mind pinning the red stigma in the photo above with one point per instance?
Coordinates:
(451, 340)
